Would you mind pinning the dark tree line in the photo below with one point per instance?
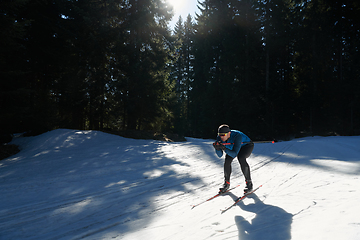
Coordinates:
(276, 68)
(272, 68)
(84, 64)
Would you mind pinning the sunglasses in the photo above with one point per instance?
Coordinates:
(222, 134)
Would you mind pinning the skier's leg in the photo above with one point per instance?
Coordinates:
(227, 167)
(227, 173)
(244, 153)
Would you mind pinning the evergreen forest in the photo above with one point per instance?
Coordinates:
(274, 69)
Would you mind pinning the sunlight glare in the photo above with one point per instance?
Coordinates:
(177, 5)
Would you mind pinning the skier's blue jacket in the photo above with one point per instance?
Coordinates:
(234, 143)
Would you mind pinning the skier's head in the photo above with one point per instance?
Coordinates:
(224, 131)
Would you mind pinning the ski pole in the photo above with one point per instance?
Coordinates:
(251, 142)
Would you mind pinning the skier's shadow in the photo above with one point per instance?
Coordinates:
(270, 222)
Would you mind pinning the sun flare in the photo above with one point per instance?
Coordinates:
(177, 5)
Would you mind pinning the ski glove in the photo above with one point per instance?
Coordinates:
(219, 146)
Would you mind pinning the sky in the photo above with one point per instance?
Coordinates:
(183, 8)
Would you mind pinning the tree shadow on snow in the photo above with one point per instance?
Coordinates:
(270, 222)
(90, 184)
(333, 154)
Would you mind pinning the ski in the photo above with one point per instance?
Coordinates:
(214, 197)
(240, 198)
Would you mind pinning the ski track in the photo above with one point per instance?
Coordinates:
(160, 182)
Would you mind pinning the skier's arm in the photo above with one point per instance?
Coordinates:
(218, 148)
(236, 148)
(219, 153)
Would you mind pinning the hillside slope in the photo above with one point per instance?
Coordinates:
(68, 184)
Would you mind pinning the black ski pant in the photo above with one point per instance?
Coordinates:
(244, 153)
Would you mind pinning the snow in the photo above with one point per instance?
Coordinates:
(70, 184)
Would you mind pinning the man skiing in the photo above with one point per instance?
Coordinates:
(235, 144)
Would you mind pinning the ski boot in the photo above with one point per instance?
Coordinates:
(225, 187)
(249, 186)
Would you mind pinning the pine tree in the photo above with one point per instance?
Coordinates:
(144, 82)
(13, 104)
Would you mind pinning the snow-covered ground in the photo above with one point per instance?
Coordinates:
(68, 184)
